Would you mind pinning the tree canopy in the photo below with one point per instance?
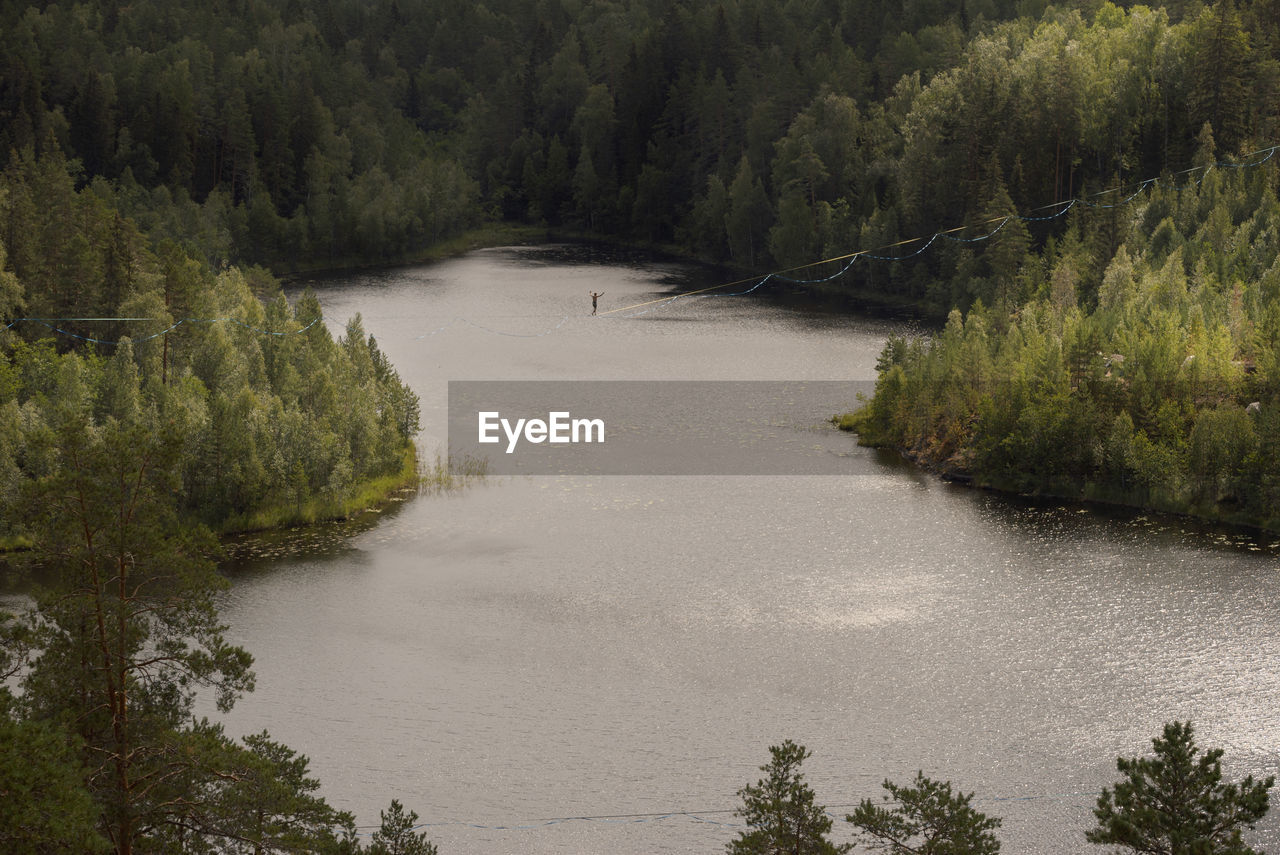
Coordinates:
(290, 133)
(1145, 375)
(270, 409)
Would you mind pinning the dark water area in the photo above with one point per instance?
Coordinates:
(596, 664)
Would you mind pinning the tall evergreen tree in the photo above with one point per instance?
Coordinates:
(129, 630)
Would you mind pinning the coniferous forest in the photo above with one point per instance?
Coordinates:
(1088, 189)
(763, 133)
(1091, 183)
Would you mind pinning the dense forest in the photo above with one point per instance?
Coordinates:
(1158, 385)
(760, 132)
(274, 413)
(150, 391)
(144, 398)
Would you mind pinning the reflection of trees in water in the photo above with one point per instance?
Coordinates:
(258, 552)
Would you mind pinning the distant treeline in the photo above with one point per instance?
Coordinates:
(761, 132)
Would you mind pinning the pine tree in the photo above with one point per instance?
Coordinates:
(129, 629)
(927, 819)
(780, 811)
(1175, 803)
(396, 836)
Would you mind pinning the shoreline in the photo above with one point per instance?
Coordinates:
(366, 496)
(828, 295)
(366, 500)
(962, 477)
(482, 237)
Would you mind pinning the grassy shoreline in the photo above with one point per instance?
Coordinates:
(372, 496)
(365, 496)
(16, 543)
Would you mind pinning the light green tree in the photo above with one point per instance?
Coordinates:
(1222, 441)
(11, 296)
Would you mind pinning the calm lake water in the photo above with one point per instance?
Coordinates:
(563, 664)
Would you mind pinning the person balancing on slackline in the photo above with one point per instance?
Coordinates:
(594, 297)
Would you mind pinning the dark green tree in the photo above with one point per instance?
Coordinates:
(129, 630)
(121, 637)
(396, 836)
(262, 799)
(794, 239)
(1176, 803)
(1221, 67)
(44, 806)
(780, 811)
(927, 818)
(747, 221)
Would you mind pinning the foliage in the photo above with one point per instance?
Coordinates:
(780, 812)
(139, 159)
(118, 443)
(767, 133)
(1176, 803)
(265, 793)
(396, 835)
(926, 818)
(1161, 389)
(44, 806)
(122, 634)
(274, 414)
